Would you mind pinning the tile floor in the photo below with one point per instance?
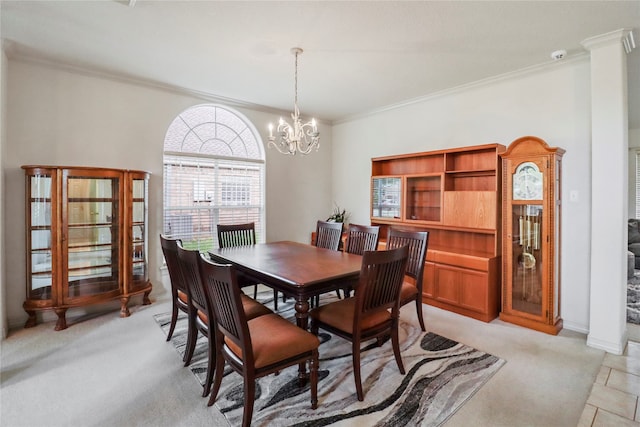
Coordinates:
(614, 398)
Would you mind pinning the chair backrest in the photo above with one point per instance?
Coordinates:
(329, 234)
(220, 283)
(230, 235)
(170, 252)
(188, 261)
(381, 277)
(418, 242)
(361, 238)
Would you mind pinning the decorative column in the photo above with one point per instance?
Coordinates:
(609, 183)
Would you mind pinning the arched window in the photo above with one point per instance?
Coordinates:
(213, 174)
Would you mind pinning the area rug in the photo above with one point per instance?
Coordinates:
(441, 375)
(633, 299)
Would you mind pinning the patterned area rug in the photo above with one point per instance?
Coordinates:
(441, 375)
(633, 299)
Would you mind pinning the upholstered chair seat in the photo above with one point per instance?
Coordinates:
(409, 290)
(273, 340)
(340, 315)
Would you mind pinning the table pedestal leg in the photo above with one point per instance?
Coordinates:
(302, 320)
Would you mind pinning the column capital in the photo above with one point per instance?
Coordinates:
(617, 36)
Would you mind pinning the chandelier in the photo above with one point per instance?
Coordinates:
(297, 137)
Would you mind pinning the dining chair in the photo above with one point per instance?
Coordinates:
(180, 299)
(202, 315)
(253, 347)
(362, 238)
(372, 312)
(231, 235)
(328, 236)
(417, 241)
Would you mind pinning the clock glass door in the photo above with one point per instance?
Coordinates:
(526, 291)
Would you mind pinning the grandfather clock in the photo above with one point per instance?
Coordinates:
(531, 172)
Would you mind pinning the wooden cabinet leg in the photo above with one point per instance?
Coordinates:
(145, 298)
(62, 320)
(124, 310)
(32, 320)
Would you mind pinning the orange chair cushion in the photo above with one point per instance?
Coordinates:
(275, 339)
(183, 297)
(340, 315)
(408, 291)
(253, 308)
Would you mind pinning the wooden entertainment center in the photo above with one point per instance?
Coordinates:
(455, 195)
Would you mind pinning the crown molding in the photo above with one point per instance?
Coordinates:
(467, 86)
(13, 53)
(616, 36)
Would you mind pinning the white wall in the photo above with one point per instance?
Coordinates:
(61, 117)
(3, 103)
(551, 103)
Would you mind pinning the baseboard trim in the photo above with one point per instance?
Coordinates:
(608, 346)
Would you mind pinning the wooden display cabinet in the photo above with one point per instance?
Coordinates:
(86, 238)
(453, 194)
(531, 227)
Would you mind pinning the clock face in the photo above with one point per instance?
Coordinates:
(527, 182)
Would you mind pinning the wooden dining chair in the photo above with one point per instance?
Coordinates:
(202, 316)
(417, 241)
(180, 299)
(231, 235)
(254, 347)
(361, 238)
(328, 236)
(374, 310)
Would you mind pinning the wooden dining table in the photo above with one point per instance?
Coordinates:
(298, 270)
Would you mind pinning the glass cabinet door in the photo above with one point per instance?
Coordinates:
(92, 240)
(39, 281)
(423, 198)
(527, 260)
(385, 200)
(139, 231)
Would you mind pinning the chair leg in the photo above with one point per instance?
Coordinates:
(275, 300)
(395, 342)
(211, 363)
(192, 337)
(249, 396)
(174, 320)
(419, 312)
(255, 291)
(355, 355)
(217, 379)
(313, 379)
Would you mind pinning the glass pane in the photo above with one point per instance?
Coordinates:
(423, 198)
(92, 270)
(385, 200)
(527, 259)
(90, 212)
(40, 239)
(138, 188)
(41, 187)
(40, 214)
(91, 187)
(138, 212)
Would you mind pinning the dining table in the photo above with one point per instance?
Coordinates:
(298, 270)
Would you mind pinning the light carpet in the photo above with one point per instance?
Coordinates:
(441, 375)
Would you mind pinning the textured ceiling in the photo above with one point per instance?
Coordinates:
(358, 56)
